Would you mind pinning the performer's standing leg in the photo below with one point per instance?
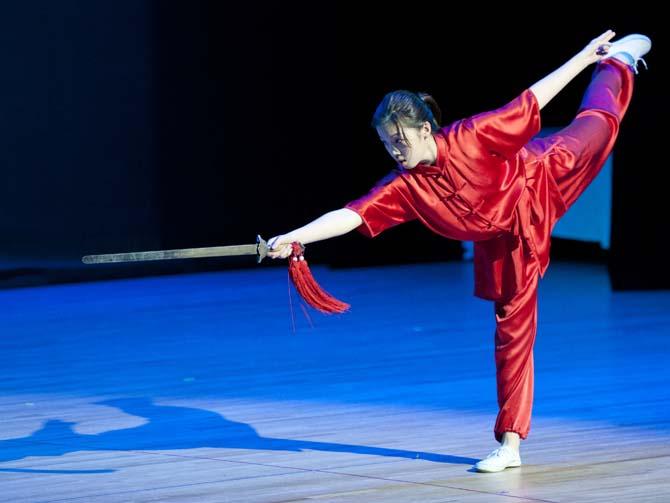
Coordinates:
(516, 327)
(577, 155)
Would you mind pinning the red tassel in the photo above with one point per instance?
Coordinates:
(307, 286)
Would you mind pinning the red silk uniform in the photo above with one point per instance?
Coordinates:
(492, 185)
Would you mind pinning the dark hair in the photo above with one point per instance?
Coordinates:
(407, 109)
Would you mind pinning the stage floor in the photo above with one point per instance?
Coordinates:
(196, 388)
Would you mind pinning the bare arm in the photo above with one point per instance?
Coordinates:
(329, 225)
(545, 89)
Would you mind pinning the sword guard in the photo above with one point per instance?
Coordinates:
(261, 249)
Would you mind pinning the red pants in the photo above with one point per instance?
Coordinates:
(573, 157)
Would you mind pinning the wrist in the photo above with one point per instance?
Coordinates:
(581, 61)
(291, 237)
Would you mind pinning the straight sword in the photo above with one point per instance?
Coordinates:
(260, 249)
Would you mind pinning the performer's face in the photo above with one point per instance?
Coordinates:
(407, 145)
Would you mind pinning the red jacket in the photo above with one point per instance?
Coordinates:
(484, 187)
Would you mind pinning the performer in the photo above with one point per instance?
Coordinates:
(483, 179)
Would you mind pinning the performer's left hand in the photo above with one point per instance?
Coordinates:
(597, 48)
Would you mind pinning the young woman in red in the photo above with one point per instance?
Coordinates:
(484, 179)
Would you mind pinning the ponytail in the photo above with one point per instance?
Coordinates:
(434, 108)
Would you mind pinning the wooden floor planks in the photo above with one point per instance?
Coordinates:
(195, 388)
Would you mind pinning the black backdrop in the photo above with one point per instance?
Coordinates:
(133, 125)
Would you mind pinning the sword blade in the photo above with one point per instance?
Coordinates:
(259, 249)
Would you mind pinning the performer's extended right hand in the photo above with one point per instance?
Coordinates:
(279, 247)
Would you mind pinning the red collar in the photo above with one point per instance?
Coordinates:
(440, 159)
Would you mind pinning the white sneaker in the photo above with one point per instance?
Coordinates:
(630, 49)
(503, 457)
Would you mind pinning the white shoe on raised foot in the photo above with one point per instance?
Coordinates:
(503, 457)
(630, 49)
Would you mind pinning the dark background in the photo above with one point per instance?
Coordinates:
(137, 125)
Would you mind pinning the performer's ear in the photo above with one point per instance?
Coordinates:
(426, 128)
